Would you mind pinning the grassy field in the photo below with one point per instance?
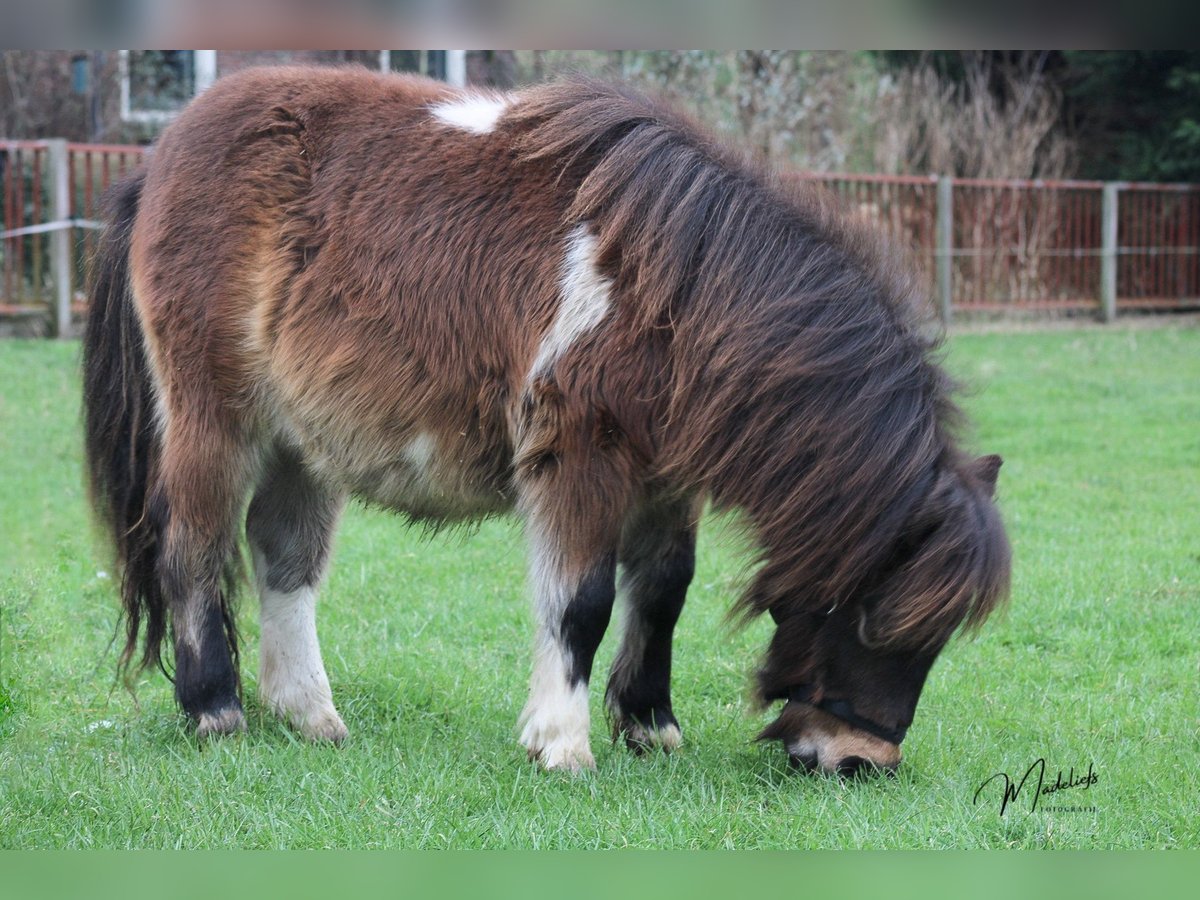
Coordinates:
(426, 640)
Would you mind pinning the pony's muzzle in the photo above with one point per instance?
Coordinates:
(857, 767)
(828, 745)
(805, 762)
(850, 767)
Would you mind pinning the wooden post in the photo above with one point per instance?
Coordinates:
(59, 209)
(944, 251)
(1108, 252)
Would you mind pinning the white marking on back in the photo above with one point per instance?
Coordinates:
(585, 297)
(474, 112)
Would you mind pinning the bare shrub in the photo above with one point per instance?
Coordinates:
(839, 111)
(998, 122)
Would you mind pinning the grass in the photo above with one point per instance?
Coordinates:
(426, 641)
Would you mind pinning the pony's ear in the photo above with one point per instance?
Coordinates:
(986, 468)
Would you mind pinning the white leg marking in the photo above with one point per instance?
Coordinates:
(291, 675)
(474, 112)
(556, 721)
(585, 299)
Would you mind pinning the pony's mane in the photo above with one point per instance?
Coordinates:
(804, 388)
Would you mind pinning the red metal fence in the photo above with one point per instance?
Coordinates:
(22, 172)
(1017, 245)
(93, 168)
(1026, 244)
(33, 214)
(979, 245)
(1159, 235)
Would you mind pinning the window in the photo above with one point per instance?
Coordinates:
(156, 84)
(446, 65)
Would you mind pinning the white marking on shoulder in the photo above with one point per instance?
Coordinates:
(585, 296)
(473, 112)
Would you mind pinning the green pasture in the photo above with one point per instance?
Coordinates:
(1095, 664)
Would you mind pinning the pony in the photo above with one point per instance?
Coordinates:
(568, 301)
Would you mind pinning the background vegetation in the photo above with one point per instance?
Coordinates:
(1006, 114)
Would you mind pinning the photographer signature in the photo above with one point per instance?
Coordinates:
(1013, 789)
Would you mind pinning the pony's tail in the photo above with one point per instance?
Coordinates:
(122, 439)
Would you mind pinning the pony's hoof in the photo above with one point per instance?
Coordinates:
(562, 758)
(326, 727)
(642, 739)
(225, 721)
(557, 745)
(556, 751)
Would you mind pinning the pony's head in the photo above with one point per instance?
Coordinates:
(851, 673)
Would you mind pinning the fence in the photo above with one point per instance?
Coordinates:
(1009, 245)
(980, 245)
(51, 192)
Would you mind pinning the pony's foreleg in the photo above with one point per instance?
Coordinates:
(573, 601)
(575, 480)
(658, 555)
(289, 526)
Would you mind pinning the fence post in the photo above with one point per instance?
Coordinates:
(1108, 252)
(60, 239)
(945, 245)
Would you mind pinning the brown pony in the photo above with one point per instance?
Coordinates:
(567, 300)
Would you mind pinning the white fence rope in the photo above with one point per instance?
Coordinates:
(60, 225)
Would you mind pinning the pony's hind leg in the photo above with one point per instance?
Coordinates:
(202, 483)
(289, 527)
(658, 554)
